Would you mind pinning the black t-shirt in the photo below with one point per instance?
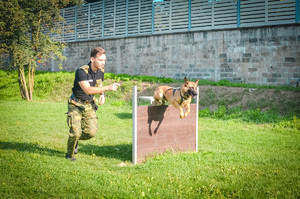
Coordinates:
(85, 73)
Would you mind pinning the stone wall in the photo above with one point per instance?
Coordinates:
(263, 55)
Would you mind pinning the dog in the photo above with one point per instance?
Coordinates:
(178, 97)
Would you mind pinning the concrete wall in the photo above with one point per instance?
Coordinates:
(264, 55)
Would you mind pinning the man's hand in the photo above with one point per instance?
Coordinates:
(101, 99)
(113, 87)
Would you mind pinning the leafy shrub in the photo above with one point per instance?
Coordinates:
(220, 112)
(253, 115)
(258, 116)
(294, 123)
(204, 113)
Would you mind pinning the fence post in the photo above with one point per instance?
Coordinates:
(238, 13)
(197, 118)
(126, 28)
(190, 15)
(266, 11)
(63, 30)
(75, 31)
(134, 125)
(152, 25)
(89, 19)
(115, 17)
(297, 11)
(103, 10)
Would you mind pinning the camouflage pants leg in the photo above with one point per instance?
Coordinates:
(83, 124)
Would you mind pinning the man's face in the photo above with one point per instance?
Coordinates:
(98, 62)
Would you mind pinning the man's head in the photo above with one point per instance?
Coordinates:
(98, 58)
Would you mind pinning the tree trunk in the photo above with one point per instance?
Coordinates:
(22, 84)
(31, 73)
(22, 91)
(32, 80)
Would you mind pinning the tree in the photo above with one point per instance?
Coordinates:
(26, 28)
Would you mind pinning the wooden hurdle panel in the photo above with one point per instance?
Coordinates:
(157, 129)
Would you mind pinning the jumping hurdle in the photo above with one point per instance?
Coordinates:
(157, 129)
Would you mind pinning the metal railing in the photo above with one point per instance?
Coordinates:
(123, 18)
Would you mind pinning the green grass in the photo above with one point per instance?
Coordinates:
(236, 159)
(242, 154)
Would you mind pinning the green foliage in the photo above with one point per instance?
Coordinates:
(26, 32)
(220, 112)
(258, 116)
(48, 84)
(292, 122)
(204, 112)
(26, 28)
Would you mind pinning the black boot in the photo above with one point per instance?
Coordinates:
(69, 158)
(76, 148)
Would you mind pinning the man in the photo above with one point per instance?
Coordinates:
(82, 107)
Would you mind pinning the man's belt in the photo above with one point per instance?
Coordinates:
(80, 100)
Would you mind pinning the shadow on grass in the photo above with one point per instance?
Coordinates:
(124, 115)
(31, 148)
(122, 152)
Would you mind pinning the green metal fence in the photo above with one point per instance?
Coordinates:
(123, 18)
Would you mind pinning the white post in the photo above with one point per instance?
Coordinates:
(197, 116)
(134, 124)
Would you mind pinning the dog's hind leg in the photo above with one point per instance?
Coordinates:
(163, 100)
(158, 98)
(157, 102)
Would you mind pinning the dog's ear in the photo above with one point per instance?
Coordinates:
(196, 82)
(185, 81)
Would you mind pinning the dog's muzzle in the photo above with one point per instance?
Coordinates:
(192, 93)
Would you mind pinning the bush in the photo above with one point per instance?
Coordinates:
(204, 113)
(220, 112)
(293, 122)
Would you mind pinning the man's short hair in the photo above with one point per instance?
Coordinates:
(96, 51)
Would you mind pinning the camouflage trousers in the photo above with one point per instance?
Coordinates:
(82, 121)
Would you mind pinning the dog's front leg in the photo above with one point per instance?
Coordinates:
(188, 110)
(176, 105)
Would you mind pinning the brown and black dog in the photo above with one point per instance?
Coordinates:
(178, 97)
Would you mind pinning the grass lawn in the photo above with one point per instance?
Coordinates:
(236, 159)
